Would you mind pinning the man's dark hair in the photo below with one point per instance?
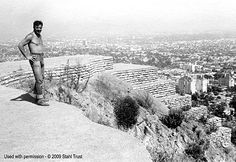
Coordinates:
(37, 23)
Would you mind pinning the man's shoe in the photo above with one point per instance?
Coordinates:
(45, 100)
(42, 99)
(42, 102)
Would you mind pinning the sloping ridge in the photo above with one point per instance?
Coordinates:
(29, 129)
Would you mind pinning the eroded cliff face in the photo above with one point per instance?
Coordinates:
(171, 144)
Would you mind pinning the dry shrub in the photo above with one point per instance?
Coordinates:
(174, 119)
(212, 127)
(186, 108)
(197, 149)
(144, 99)
(74, 81)
(110, 87)
(68, 83)
(126, 112)
(203, 119)
(218, 109)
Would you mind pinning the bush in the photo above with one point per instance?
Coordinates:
(216, 93)
(174, 119)
(233, 136)
(203, 119)
(212, 127)
(126, 111)
(110, 87)
(195, 97)
(64, 94)
(218, 109)
(182, 93)
(195, 103)
(197, 149)
(186, 108)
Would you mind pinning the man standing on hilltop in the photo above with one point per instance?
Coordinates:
(35, 44)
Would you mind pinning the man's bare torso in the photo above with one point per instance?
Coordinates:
(36, 44)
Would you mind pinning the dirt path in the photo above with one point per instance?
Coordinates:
(28, 129)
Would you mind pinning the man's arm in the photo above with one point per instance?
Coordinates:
(24, 42)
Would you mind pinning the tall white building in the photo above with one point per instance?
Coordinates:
(192, 84)
(201, 83)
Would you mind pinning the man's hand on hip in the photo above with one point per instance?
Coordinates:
(31, 58)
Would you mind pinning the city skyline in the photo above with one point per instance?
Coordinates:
(73, 18)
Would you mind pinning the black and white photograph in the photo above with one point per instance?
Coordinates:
(118, 80)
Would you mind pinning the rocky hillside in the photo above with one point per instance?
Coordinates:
(178, 135)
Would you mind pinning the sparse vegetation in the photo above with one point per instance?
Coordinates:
(161, 156)
(73, 81)
(26, 84)
(144, 99)
(68, 83)
(103, 122)
(111, 88)
(49, 76)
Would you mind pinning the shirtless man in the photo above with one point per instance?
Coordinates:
(35, 44)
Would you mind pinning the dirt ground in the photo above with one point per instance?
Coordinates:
(59, 131)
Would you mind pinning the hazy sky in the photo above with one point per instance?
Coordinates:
(65, 18)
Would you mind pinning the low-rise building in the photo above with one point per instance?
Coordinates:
(187, 84)
(189, 67)
(227, 80)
